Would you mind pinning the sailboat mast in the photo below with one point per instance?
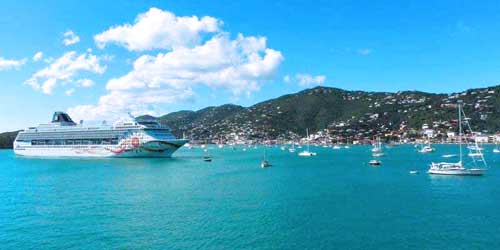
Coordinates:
(307, 140)
(460, 129)
(265, 155)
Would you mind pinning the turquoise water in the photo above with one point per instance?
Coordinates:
(332, 201)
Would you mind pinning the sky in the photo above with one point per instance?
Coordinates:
(99, 60)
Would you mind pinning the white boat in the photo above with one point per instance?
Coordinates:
(126, 138)
(413, 172)
(447, 168)
(375, 162)
(347, 146)
(449, 156)
(336, 147)
(496, 150)
(377, 146)
(427, 148)
(458, 168)
(475, 147)
(307, 152)
(476, 154)
(265, 163)
(292, 149)
(377, 149)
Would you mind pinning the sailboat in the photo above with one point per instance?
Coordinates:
(307, 152)
(292, 149)
(457, 168)
(427, 148)
(336, 146)
(377, 148)
(347, 144)
(475, 150)
(265, 163)
(496, 150)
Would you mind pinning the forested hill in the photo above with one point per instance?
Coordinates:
(6, 139)
(353, 112)
(344, 113)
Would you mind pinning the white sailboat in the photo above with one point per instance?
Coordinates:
(265, 163)
(307, 152)
(347, 144)
(427, 148)
(292, 149)
(475, 150)
(377, 148)
(458, 168)
(496, 150)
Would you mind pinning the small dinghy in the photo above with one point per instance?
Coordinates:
(375, 162)
(265, 164)
(448, 156)
(413, 172)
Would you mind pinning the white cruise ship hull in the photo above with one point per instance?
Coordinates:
(156, 149)
(64, 138)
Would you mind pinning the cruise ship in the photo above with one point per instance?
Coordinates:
(64, 138)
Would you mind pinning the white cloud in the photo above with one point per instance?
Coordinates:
(70, 38)
(38, 55)
(307, 79)
(85, 83)
(158, 29)
(64, 70)
(240, 65)
(69, 92)
(286, 78)
(6, 64)
(364, 52)
(117, 103)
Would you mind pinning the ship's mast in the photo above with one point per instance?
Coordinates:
(460, 129)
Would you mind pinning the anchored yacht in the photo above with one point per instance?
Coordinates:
(478, 165)
(64, 138)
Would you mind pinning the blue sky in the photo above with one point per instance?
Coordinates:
(242, 52)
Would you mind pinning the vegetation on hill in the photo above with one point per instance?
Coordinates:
(6, 139)
(344, 113)
(368, 113)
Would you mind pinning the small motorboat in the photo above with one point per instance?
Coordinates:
(476, 154)
(426, 149)
(207, 158)
(307, 153)
(413, 172)
(265, 164)
(448, 156)
(375, 162)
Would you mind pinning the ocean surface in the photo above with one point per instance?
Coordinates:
(332, 201)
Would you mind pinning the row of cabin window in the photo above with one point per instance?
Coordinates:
(109, 141)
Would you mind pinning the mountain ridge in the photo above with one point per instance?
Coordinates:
(345, 113)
